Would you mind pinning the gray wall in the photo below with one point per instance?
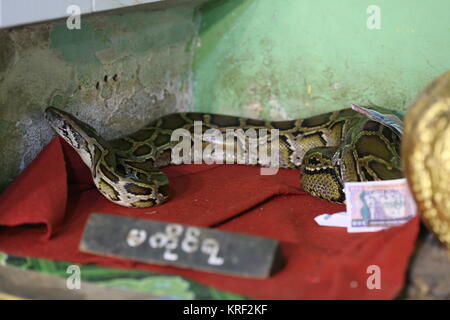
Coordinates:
(118, 72)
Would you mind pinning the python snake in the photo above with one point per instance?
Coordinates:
(330, 149)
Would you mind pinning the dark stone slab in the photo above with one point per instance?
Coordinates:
(181, 246)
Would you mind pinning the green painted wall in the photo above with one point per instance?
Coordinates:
(120, 68)
(296, 58)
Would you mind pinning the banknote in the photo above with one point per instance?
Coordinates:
(388, 119)
(374, 205)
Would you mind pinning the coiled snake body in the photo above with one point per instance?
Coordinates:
(330, 149)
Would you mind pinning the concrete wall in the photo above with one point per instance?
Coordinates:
(118, 72)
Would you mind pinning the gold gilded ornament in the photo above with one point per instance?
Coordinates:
(425, 154)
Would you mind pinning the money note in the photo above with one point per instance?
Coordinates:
(375, 205)
(385, 118)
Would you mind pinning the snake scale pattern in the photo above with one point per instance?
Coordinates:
(330, 149)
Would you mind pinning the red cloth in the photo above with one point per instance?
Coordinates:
(44, 211)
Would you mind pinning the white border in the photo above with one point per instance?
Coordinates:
(20, 12)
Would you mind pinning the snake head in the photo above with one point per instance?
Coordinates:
(118, 181)
(78, 134)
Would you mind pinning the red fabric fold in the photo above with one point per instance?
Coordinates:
(43, 214)
(39, 194)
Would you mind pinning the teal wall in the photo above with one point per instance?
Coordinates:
(296, 58)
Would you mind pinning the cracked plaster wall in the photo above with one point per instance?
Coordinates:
(118, 72)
